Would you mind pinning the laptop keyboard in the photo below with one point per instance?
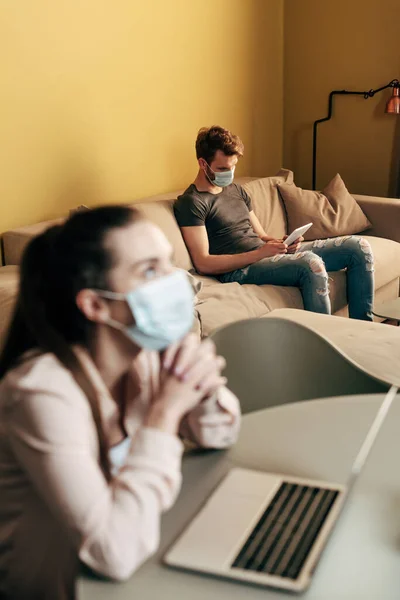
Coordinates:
(284, 535)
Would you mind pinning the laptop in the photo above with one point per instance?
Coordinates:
(268, 529)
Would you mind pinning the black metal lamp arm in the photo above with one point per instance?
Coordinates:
(366, 95)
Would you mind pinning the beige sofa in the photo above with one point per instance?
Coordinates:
(219, 304)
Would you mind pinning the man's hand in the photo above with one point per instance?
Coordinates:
(272, 248)
(295, 247)
(268, 238)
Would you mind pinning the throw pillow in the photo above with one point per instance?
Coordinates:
(267, 203)
(333, 212)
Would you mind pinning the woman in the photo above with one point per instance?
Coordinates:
(99, 379)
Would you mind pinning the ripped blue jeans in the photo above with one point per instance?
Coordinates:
(307, 269)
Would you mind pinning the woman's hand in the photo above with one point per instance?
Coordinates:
(190, 373)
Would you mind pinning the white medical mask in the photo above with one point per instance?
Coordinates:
(162, 310)
(221, 179)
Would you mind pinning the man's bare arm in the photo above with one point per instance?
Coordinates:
(196, 240)
(258, 228)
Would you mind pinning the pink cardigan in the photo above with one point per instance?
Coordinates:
(55, 504)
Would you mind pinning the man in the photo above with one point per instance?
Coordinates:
(225, 239)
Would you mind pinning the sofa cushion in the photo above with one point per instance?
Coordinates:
(387, 268)
(15, 240)
(9, 277)
(9, 281)
(333, 213)
(161, 213)
(223, 303)
(267, 203)
(386, 259)
(275, 296)
(157, 208)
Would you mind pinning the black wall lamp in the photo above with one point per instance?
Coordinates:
(392, 107)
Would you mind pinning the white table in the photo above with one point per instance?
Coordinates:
(317, 439)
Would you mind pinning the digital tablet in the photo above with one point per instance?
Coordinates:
(297, 233)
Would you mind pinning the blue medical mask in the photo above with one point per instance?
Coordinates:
(162, 310)
(222, 179)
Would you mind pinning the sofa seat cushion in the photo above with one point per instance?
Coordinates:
(223, 303)
(9, 278)
(387, 268)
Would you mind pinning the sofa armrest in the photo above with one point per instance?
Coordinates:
(9, 281)
(383, 214)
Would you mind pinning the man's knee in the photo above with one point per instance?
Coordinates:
(366, 249)
(360, 248)
(314, 267)
(310, 262)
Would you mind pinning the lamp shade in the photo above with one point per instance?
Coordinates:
(393, 104)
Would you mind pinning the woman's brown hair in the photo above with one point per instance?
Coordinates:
(56, 265)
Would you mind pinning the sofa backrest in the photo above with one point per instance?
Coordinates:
(267, 203)
(15, 240)
(162, 214)
(159, 209)
(9, 279)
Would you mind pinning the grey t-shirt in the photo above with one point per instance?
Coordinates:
(226, 217)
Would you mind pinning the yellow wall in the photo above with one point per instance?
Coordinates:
(101, 101)
(341, 44)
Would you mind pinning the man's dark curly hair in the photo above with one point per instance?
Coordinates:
(211, 139)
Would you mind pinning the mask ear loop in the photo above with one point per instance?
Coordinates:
(115, 324)
(112, 296)
(205, 171)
